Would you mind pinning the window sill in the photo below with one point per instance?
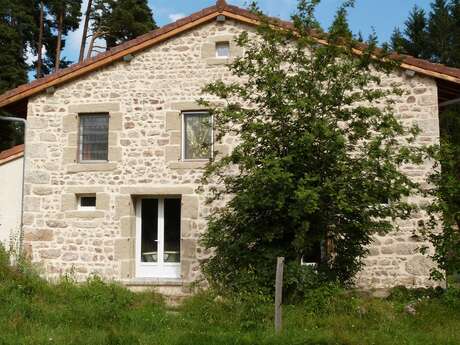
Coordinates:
(188, 164)
(153, 282)
(90, 167)
(84, 214)
(220, 61)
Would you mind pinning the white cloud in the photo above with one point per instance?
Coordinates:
(176, 16)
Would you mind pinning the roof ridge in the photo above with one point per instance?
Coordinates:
(221, 4)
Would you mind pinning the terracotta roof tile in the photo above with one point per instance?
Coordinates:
(74, 71)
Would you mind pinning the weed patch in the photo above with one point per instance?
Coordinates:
(35, 312)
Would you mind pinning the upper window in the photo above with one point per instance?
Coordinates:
(94, 137)
(222, 49)
(197, 135)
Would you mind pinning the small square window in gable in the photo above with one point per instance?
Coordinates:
(223, 49)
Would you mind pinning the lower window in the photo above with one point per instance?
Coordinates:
(158, 238)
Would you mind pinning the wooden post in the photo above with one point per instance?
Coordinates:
(279, 294)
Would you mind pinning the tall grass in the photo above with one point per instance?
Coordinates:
(35, 312)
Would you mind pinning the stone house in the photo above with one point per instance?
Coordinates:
(113, 157)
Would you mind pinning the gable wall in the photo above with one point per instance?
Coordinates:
(144, 98)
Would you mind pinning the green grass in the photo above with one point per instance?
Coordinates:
(33, 311)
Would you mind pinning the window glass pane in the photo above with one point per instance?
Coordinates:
(314, 253)
(172, 230)
(198, 135)
(222, 49)
(94, 135)
(149, 244)
(88, 201)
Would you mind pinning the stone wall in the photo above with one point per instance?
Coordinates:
(144, 98)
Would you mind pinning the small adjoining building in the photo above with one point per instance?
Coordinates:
(114, 157)
(11, 168)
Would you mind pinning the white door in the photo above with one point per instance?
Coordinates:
(158, 238)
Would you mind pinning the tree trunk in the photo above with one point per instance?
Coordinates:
(59, 40)
(40, 42)
(329, 249)
(91, 45)
(85, 31)
(94, 37)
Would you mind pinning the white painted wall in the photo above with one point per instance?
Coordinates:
(10, 201)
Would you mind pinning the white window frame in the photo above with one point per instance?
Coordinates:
(80, 141)
(183, 114)
(159, 269)
(313, 265)
(86, 208)
(227, 43)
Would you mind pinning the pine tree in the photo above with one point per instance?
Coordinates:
(117, 21)
(359, 37)
(17, 30)
(455, 51)
(416, 33)
(39, 46)
(44, 40)
(440, 28)
(397, 41)
(340, 29)
(66, 15)
(413, 41)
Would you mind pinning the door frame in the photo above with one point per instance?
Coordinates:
(159, 269)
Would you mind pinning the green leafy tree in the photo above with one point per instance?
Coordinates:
(117, 21)
(446, 195)
(317, 167)
(442, 45)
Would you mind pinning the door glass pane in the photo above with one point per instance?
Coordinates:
(94, 137)
(149, 245)
(172, 230)
(198, 135)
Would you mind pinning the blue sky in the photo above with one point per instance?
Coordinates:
(382, 15)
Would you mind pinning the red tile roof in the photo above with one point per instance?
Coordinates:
(11, 154)
(149, 39)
